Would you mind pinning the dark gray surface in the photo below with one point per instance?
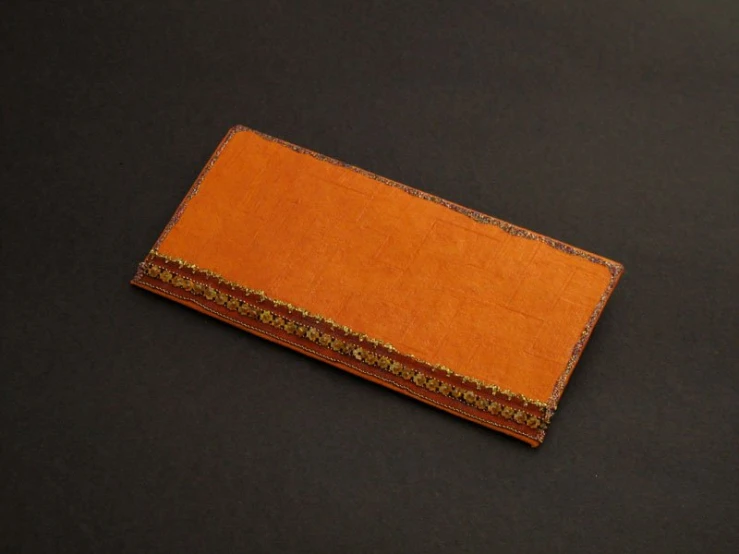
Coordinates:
(130, 424)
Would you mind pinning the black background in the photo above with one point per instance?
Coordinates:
(130, 424)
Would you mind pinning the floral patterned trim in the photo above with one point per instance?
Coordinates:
(343, 363)
(361, 337)
(493, 404)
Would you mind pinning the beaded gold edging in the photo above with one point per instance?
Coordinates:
(361, 337)
(368, 355)
(496, 424)
(615, 269)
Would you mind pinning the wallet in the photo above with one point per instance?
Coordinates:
(457, 309)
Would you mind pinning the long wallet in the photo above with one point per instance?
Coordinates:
(455, 308)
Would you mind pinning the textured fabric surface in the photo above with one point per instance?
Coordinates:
(431, 281)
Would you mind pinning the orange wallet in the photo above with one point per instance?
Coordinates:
(457, 309)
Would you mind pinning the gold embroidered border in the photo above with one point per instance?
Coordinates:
(353, 351)
(243, 324)
(491, 388)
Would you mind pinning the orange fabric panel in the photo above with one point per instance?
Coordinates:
(431, 281)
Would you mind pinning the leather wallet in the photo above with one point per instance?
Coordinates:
(457, 309)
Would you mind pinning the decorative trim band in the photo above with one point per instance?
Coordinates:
(361, 337)
(320, 336)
